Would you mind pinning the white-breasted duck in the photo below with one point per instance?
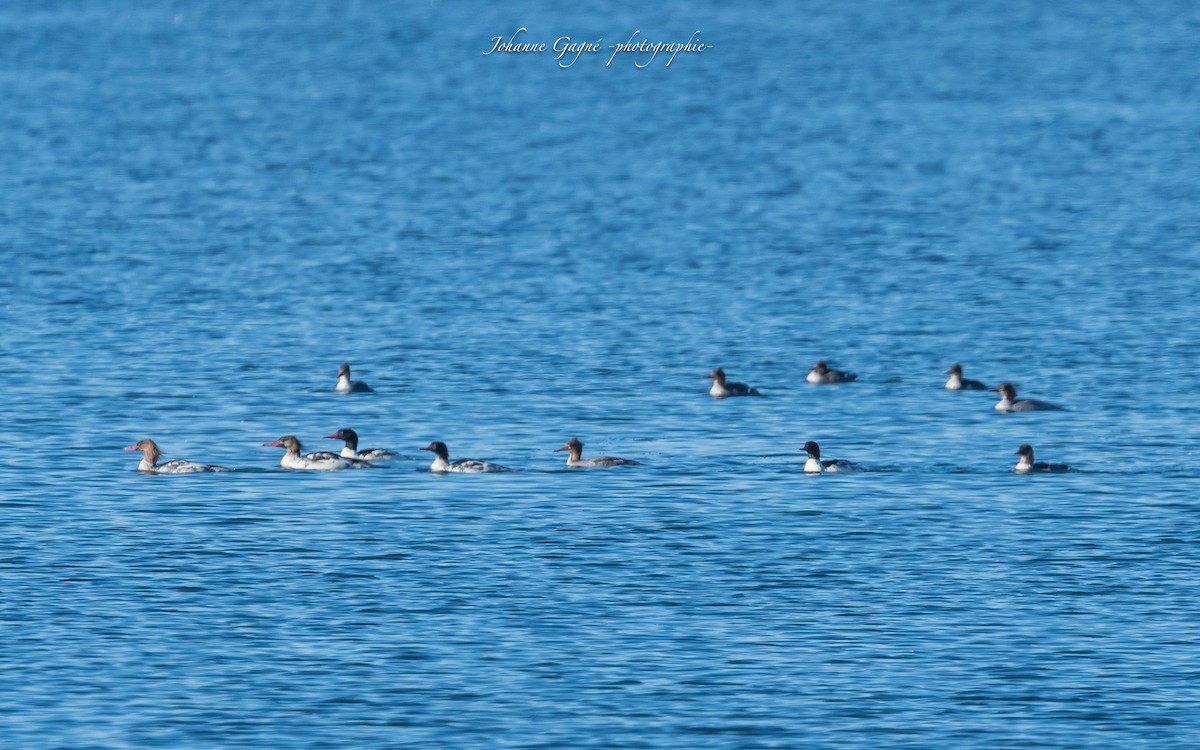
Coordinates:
(1026, 464)
(722, 388)
(958, 383)
(346, 385)
(815, 465)
(1009, 401)
(150, 465)
(350, 449)
(317, 461)
(820, 374)
(442, 463)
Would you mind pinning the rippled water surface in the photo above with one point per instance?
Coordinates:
(205, 208)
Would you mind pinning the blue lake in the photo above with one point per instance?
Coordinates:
(205, 208)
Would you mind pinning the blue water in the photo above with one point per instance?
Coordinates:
(205, 208)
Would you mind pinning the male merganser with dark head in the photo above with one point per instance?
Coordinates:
(442, 463)
(820, 374)
(814, 464)
(319, 461)
(350, 449)
(722, 388)
(1025, 464)
(1009, 401)
(958, 383)
(150, 464)
(346, 385)
(575, 461)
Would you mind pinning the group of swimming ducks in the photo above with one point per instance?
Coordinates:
(352, 457)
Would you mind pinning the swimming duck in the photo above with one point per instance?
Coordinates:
(346, 385)
(1026, 465)
(575, 460)
(958, 383)
(814, 464)
(442, 463)
(350, 449)
(318, 461)
(150, 465)
(1009, 401)
(722, 388)
(820, 374)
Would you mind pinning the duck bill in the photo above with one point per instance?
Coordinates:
(275, 444)
(131, 448)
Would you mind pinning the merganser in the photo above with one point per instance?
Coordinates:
(350, 449)
(1025, 464)
(958, 383)
(442, 463)
(150, 465)
(1009, 401)
(820, 374)
(576, 449)
(346, 385)
(319, 461)
(814, 464)
(722, 388)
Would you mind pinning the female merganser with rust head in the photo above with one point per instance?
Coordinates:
(442, 463)
(820, 374)
(958, 383)
(575, 461)
(150, 465)
(350, 449)
(722, 388)
(1025, 464)
(814, 464)
(346, 385)
(1009, 401)
(319, 461)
